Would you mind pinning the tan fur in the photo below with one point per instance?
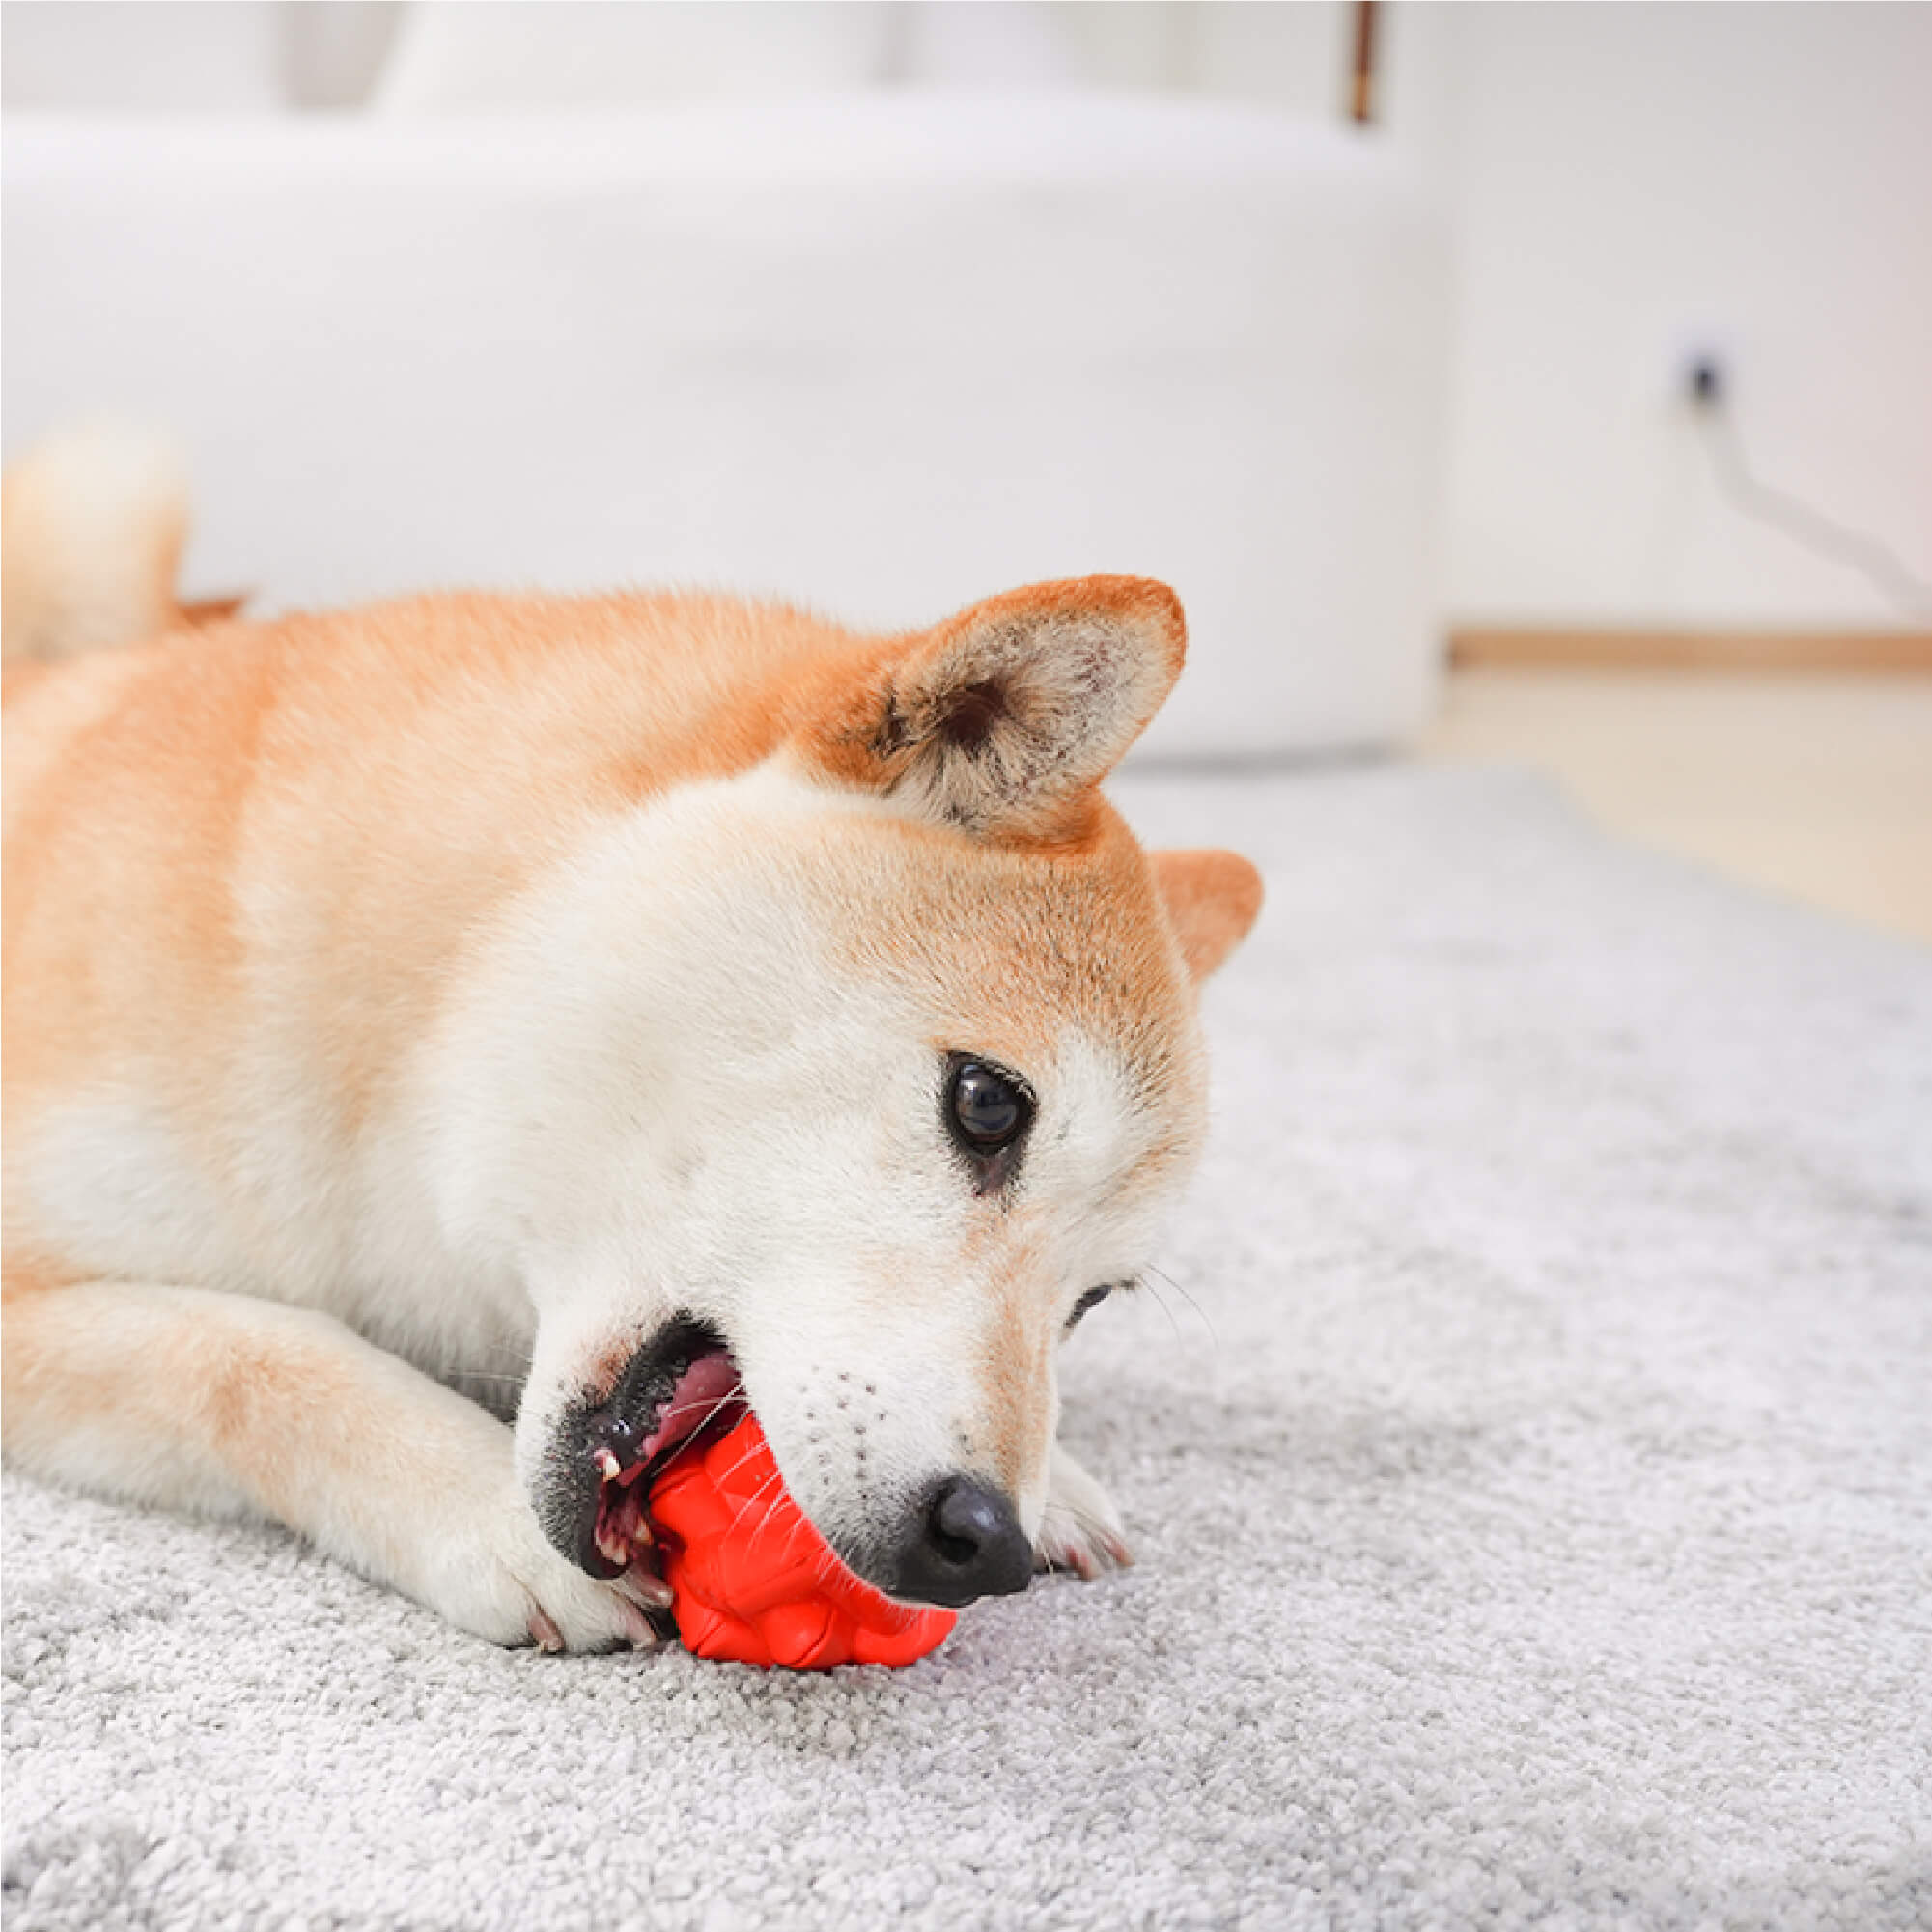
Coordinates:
(1213, 898)
(276, 843)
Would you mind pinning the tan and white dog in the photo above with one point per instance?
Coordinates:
(603, 1006)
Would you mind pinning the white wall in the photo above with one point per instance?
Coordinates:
(1625, 179)
(199, 57)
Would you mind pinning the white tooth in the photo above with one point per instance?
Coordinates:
(608, 1465)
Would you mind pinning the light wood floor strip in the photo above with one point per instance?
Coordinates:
(1819, 786)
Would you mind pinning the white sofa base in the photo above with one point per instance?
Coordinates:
(882, 353)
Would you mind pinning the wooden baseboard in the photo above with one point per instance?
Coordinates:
(1527, 648)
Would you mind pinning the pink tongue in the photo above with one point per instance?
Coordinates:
(702, 1389)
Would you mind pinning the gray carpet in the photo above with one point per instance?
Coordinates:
(1531, 1462)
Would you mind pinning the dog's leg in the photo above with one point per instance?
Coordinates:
(222, 1403)
(1081, 1530)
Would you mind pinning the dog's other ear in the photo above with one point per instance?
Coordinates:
(1213, 898)
(996, 720)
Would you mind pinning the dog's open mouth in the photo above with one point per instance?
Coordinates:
(682, 1384)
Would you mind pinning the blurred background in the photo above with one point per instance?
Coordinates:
(1543, 381)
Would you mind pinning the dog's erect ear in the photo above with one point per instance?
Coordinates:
(995, 720)
(1213, 898)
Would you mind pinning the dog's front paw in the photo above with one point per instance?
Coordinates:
(1081, 1530)
(499, 1578)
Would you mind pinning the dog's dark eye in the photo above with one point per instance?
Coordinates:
(1092, 1298)
(986, 1108)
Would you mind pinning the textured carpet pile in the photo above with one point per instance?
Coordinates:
(1529, 1453)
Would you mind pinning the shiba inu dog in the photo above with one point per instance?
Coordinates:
(596, 1010)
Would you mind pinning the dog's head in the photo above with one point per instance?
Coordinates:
(873, 1064)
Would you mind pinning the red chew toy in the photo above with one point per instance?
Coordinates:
(753, 1583)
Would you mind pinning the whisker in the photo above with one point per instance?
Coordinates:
(790, 1535)
(718, 1406)
(774, 1479)
(762, 1515)
(1206, 1321)
(744, 1457)
(1160, 1302)
(507, 1352)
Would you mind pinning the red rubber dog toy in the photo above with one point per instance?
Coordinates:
(753, 1583)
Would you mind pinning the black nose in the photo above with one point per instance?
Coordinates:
(964, 1543)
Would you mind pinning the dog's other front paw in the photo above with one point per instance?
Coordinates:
(1081, 1530)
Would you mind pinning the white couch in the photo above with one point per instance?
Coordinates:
(884, 352)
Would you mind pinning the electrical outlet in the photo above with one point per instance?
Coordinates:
(1701, 364)
(1705, 379)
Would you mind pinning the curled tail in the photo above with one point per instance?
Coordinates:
(93, 520)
